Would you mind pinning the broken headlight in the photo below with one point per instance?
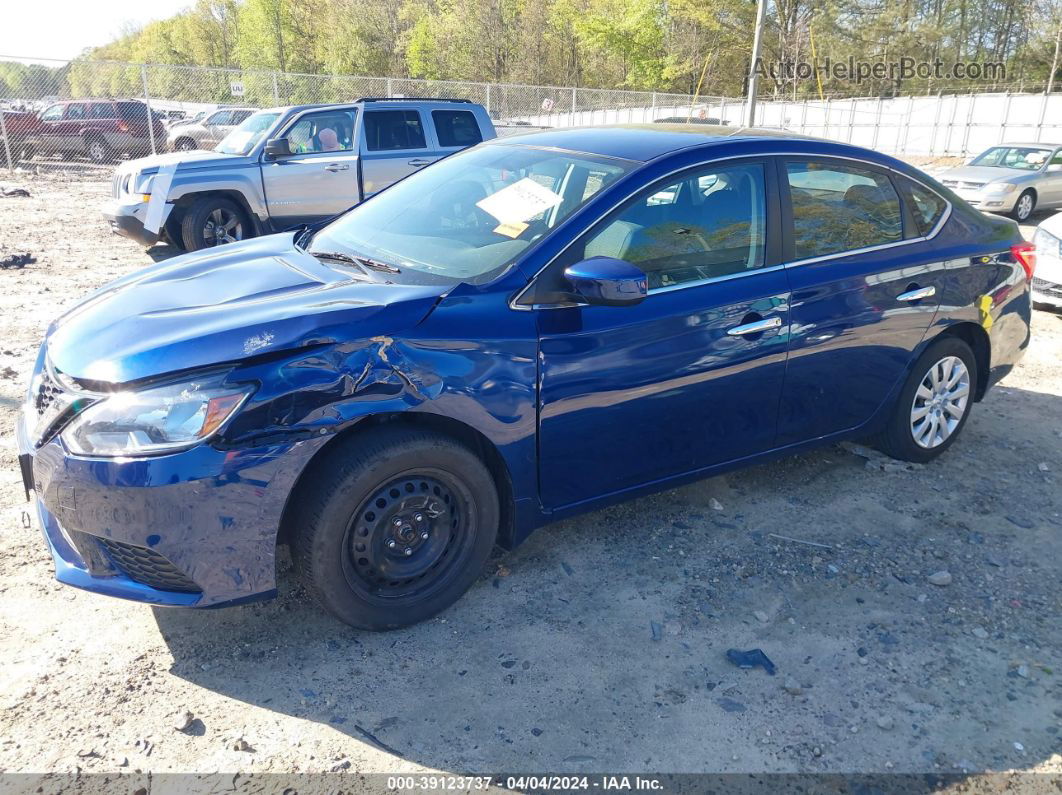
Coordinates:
(157, 420)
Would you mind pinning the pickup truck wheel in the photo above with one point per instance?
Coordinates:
(394, 527)
(213, 221)
(97, 150)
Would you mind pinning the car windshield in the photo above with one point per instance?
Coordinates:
(1026, 158)
(472, 213)
(242, 140)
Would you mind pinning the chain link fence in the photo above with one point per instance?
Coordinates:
(85, 113)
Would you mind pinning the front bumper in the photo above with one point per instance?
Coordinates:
(126, 218)
(205, 517)
(991, 203)
(1047, 279)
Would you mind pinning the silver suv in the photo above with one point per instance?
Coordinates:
(283, 167)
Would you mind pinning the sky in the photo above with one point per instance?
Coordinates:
(63, 28)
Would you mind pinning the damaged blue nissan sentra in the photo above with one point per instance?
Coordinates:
(532, 328)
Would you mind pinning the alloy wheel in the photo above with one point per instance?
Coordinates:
(1025, 207)
(222, 226)
(940, 402)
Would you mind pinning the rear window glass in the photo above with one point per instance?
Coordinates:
(456, 127)
(393, 129)
(839, 208)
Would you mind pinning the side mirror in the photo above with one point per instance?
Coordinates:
(605, 281)
(277, 147)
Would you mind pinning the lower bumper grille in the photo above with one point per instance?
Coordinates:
(1047, 288)
(148, 567)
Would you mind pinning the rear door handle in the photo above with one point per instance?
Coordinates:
(917, 294)
(417, 162)
(755, 327)
(334, 167)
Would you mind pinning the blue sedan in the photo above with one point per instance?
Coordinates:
(533, 328)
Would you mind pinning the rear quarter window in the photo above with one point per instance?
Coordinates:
(927, 208)
(456, 128)
(132, 110)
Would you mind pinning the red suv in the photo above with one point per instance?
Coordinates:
(99, 129)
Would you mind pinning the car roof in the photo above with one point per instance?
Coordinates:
(644, 142)
(381, 102)
(1037, 144)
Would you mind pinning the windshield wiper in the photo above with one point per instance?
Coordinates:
(364, 262)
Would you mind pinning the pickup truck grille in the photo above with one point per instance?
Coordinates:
(120, 184)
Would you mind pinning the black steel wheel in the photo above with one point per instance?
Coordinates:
(393, 526)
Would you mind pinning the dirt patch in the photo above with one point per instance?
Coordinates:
(599, 645)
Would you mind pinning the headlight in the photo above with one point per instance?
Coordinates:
(999, 188)
(157, 420)
(1046, 242)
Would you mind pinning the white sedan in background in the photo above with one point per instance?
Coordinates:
(1047, 279)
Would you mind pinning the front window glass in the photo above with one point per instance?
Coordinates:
(244, 138)
(471, 214)
(54, 113)
(1024, 158)
(330, 131)
(841, 208)
(710, 224)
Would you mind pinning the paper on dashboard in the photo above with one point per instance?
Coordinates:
(519, 202)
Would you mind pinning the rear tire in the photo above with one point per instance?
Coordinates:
(933, 405)
(394, 526)
(203, 220)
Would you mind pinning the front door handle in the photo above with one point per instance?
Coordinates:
(917, 294)
(417, 162)
(755, 327)
(334, 167)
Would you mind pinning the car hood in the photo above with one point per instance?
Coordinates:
(985, 174)
(225, 305)
(191, 159)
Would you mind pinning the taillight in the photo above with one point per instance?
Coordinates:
(122, 126)
(1025, 254)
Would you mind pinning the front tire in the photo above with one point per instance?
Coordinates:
(213, 221)
(934, 403)
(1024, 207)
(184, 145)
(394, 526)
(97, 150)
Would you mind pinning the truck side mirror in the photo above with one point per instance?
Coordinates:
(277, 147)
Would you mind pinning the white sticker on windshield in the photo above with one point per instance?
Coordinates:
(519, 202)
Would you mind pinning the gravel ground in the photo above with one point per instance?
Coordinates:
(600, 644)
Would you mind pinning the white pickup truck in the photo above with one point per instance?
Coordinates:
(287, 166)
